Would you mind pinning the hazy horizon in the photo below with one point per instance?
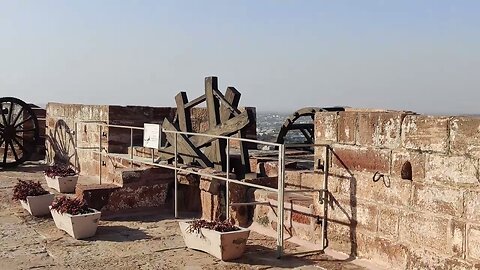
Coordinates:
(404, 55)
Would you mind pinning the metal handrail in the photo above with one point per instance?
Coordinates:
(281, 171)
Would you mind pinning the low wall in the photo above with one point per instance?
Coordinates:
(405, 188)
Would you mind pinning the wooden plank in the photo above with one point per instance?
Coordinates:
(185, 147)
(225, 102)
(217, 154)
(183, 114)
(195, 102)
(228, 128)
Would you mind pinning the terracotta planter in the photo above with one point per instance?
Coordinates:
(223, 245)
(62, 184)
(38, 205)
(78, 226)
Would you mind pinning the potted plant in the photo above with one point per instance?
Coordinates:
(221, 239)
(61, 178)
(33, 197)
(74, 217)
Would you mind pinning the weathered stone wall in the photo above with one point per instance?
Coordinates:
(431, 221)
(60, 137)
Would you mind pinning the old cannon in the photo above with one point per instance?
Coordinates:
(19, 132)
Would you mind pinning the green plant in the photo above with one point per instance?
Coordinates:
(23, 189)
(219, 226)
(70, 206)
(60, 171)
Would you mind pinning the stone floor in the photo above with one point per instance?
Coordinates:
(147, 241)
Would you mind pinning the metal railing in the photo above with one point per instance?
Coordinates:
(280, 190)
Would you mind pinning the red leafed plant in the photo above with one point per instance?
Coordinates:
(70, 206)
(27, 188)
(60, 171)
(219, 226)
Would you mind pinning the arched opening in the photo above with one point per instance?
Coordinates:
(407, 171)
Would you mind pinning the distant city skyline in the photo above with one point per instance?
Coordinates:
(422, 56)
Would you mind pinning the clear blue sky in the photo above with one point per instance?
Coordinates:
(282, 55)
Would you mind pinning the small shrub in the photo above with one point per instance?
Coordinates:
(219, 226)
(27, 188)
(60, 171)
(70, 206)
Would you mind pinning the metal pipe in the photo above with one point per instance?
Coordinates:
(76, 144)
(249, 203)
(201, 174)
(100, 156)
(227, 193)
(280, 200)
(175, 160)
(325, 196)
(220, 137)
(303, 190)
(131, 147)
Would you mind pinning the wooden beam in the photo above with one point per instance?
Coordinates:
(185, 147)
(195, 102)
(228, 128)
(225, 102)
(183, 114)
(217, 154)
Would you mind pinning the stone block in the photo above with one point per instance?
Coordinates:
(472, 205)
(393, 191)
(384, 252)
(326, 126)
(465, 136)
(440, 200)
(457, 170)
(367, 121)
(388, 220)
(347, 127)
(211, 206)
(352, 158)
(340, 210)
(425, 230)
(425, 259)
(473, 242)
(456, 237)
(426, 133)
(312, 180)
(387, 131)
(417, 162)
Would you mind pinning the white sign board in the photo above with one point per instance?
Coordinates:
(151, 136)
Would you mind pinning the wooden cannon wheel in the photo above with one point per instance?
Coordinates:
(19, 132)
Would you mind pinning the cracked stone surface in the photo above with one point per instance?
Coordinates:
(148, 241)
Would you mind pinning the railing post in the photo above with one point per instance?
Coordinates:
(326, 195)
(131, 147)
(100, 155)
(76, 145)
(175, 159)
(227, 193)
(280, 199)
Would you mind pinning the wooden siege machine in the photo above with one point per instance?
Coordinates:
(224, 119)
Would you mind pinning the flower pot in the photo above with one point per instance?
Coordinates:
(38, 205)
(62, 184)
(78, 226)
(223, 245)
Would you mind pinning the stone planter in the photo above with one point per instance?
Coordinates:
(223, 245)
(38, 205)
(78, 226)
(62, 184)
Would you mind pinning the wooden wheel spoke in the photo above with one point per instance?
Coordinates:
(14, 122)
(24, 130)
(5, 153)
(10, 113)
(19, 145)
(13, 151)
(24, 121)
(3, 115)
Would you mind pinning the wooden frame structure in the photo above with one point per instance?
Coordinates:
(224, 119)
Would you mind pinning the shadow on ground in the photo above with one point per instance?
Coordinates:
(118, 234)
